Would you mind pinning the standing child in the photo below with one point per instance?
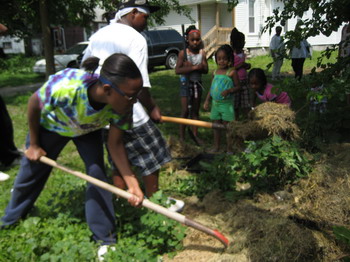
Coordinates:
(241, 98)
(191, 62)
(225, 82)
(263, 90)
(75, 105)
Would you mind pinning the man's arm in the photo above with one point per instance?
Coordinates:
(148, 102)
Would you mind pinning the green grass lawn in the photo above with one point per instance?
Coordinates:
(8, 79)
(16, 70)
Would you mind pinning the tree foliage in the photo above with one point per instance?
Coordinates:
(23, 19)
(26, 18)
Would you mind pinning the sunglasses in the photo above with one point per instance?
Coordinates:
(119, 91)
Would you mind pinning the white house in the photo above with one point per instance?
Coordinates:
(12, 45)
(248, 17)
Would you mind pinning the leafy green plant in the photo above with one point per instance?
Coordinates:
(343, 235)
(60, 234)
(216, 175)
(267, 165)
(16, 70)
(18, 64)
(149, 230)
(271, 163)
(53, 239)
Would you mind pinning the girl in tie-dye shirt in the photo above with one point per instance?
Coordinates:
(74, 105)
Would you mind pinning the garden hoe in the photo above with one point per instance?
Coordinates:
(192, 122)
(146, 203)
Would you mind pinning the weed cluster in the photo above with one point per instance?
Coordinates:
(142, 236)
(267, 165)
(17, 64)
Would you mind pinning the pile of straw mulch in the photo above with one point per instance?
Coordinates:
(180, 149)
(266, 120)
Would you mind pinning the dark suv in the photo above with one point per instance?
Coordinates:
(163, 47)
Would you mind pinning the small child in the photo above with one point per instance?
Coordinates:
(191, 62)
(242, 98)
(258, 82)
(225, 82)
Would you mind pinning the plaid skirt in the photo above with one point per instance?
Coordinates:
(146, 148)
(242, 99)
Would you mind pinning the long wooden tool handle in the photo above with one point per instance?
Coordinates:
(191, 122)
(146, 203)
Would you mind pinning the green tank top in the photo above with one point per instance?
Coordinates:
(219, 84)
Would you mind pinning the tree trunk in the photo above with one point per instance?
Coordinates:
(28, 47)
(48, 43)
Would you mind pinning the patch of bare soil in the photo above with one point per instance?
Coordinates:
(290, 225)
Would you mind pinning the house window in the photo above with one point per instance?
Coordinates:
(251, 16)
(7, 45)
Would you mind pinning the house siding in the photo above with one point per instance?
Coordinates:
(12, 45)
(263, 9)
(174, 20)
(225, 16)
(208, 15)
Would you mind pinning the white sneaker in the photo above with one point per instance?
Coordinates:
(102, 250)
(177, 206)
(3, 176)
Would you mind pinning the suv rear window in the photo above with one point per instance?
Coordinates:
(163, 47)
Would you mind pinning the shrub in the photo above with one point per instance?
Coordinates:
(267, 165)
(17, 64)
(271, 163)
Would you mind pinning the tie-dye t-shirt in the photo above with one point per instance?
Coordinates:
(65, 106)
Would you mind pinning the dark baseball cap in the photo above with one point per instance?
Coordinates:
(138, 3)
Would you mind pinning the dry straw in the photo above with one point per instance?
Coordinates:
(267, 119)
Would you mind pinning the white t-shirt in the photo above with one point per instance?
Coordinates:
(120, 38)
(277, 44)
(302, 51)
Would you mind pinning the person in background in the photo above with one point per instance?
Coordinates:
(276, 51)
(146, 148)
(74, 105)
(344, 50)
(242, 98)
(224, 83)
(299, 53)
(344, 45)
(9, 154)
(264, 91)
(191, 62)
